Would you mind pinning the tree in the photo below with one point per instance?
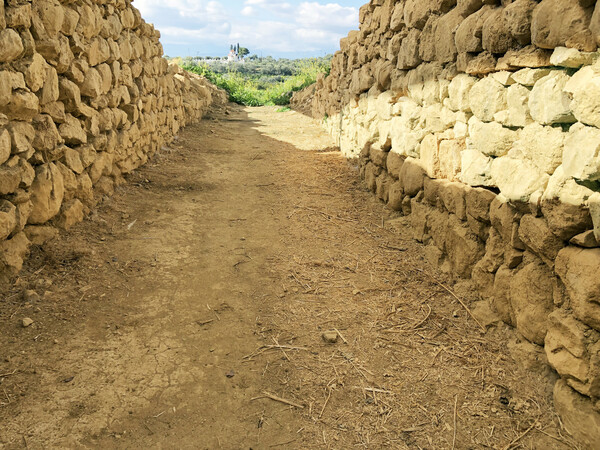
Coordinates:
(243, 52)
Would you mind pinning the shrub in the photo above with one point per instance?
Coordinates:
(267, 83)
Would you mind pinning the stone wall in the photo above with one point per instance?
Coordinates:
(480, 119)
(85, 96)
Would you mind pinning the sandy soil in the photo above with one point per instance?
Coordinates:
(189, 311)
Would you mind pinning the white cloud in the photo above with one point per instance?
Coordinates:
(247, 11)
(315, 15)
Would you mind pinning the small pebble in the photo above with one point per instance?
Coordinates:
(26, 322)
(330, 337)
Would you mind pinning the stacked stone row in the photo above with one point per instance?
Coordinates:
(85, 96)
(480, 120)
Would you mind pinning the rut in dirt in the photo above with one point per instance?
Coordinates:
(244, 290)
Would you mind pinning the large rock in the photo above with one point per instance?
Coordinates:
(47, 192)
(549, 103)
(486, 98)
(542, 146)
(416, 12)
(556, 21)
(566, 220)
(469, 33)
(581, 156)
(501, 301)
(532, 301)
(11, 45)
(517, 179)
(578, 414)
(476, 168)
(72, 132)
(537, 237)
(8, 219)
(491, 139)
(411, 176)
(578, 270)
(12, 253)
(566, 347)
(463, 247)
(584, 87)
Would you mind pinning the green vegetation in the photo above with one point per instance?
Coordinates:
(259, 81)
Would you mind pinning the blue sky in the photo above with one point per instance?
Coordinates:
(288, 28)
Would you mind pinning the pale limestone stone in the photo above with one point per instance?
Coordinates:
(35, 74)
(548, 102)
(429, 155)
(475, 168)
(581, 158)
(5, 146)
(503, 77)
(461, 129)
(450, 156)
(72, 132)
(486, 98)
(458, 92)
(566, 189)
(11, 45)
(8, 219)
(542, 145)
(528, 77)
(517, 179)
(47, 192)
(517, 114)
(572, 58)
(491, 139)
(594, 205)
(584, 87)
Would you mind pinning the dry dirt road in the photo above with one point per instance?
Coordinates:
(189, 311)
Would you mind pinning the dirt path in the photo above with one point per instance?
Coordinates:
(205, 284)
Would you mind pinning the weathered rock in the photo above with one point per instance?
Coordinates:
(577, 268)
(491, 139)
(584, 87)
(517, 179)
(486, 98)
(8, 218)
(581, 155)
(566, 220)
(501, 299)
(537, 237)
(555, 21)
(587, 239)
(71, 214)
(577, 414)
(11, 45)
(47, 193)
(411, 176)
(548, 102)
(532, 301)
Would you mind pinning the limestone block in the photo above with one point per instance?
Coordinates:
(469, 32)
(11, 45)
(565, 189)
(10, 178)
(549, 104)
(463, 247)
(478, 201)
(496, 36)
(416, 12)
(92, 84)
(72, 132)
(537, 237)
(445, 29)
(532, 301)
(491, 139)
(542, 146)
(528, 77)
(501, 299)
(494, 253)
(8, 219)
(450, 156)
(72, 212)
(459, 92)
(530, 56)
(475, 168)
(517, 114)
(50, 90)
(587, 239)
(486, 98)
(581, 155)
(578, 414)
(394, 163)
(419, 218)
(518, 16)
(13, 251)
(429, 155)
(577, 268)
(504, 216)
(5, 146)
(566, 220)
(47, 193)
(35, 73)
(22, 134)
(584, 88)
(594, 205)
(23, 105)
(572, 58)
(411, 176)
(46, 136)
(555, 21)
(70, 95)
(453, 195)
(565, 346)
(408, 56)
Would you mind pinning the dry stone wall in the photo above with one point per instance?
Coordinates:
(85, 96)
(480, 119)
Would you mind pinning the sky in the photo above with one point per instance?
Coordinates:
(282, 29)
